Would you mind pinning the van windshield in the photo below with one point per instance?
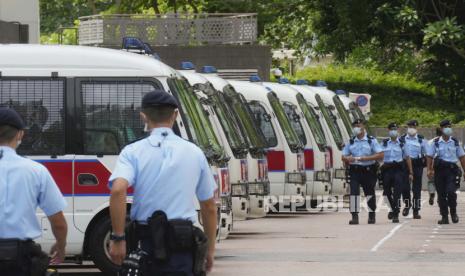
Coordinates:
(199, 125)
(344, 114)
(294, 118)
(245, 118)
(236, 139)
(312, 119)
(331, 120)
(291, 136)
(263, 121)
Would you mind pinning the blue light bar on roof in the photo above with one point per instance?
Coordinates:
(340, 92)
(148, 49)
(208, 69)
(255, 78)
(187, 65)
(283, 80)
(133, 43)
(321, 83)
(302, 82)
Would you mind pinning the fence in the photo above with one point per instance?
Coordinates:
(172, 29)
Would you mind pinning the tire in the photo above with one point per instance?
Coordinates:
(98, 242)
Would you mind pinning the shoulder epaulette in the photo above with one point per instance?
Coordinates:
(456, 141)
(385, 142)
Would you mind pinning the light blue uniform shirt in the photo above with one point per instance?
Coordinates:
(167, 173)
(447, 151)
(393, 152)
(414, 148)
(361, 147)
(24, 185)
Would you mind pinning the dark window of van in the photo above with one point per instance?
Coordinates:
(110, 114)
(40, 102)
(263, 120)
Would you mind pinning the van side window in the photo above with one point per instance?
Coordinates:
(110, 114)
(40, 102)
(263, 120)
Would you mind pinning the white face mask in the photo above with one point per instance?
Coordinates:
(411, 131)
(357, 130)
(447, 131)
(393, 133)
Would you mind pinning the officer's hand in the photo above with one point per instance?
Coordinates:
(118, 251)
(210, 259)
(350, 159)
(410, 177)
(57, 253)
(430, 174)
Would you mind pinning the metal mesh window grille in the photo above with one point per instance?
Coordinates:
(263, 120)
(111, 114)
(294, 118)
(40, 102)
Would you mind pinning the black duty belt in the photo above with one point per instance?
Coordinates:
(360, 168)
(439, 163)
(394, 165)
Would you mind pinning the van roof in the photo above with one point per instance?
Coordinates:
(346, 101)
(307, 93)
(325, 94)
(217, 82)
(283, 91)
(192, 77)
(67, 60)
(250, 90)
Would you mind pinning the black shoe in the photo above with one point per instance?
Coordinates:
(416, 215)
(354, 219)
(371, 218)
(405, 212)
(431, 199)
(390, 215)
(395, 218)
(444, 220)
(455, 218)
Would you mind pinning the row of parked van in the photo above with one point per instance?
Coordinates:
(268, 144)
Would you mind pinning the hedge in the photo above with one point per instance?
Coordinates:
(395, 97)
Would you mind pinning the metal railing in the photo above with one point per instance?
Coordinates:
(170, 29)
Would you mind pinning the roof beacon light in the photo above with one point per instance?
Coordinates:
(340, 92)
(302, 82)
(208, 69)
(321, 83)
(255, 78)
(133, 43)
(187, 65)
(283, 80)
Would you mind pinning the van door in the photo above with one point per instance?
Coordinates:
(108, 111)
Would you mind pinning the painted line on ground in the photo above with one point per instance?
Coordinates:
(387, 237)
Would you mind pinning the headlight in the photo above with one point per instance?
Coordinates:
(340, 173)
(298, 178)
(322, 176)
(239, 189)
(226, 204)
(259, 188)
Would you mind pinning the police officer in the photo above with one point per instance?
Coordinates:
(446, 151)
(24, 186)
(415, 145)
(166, 173)
(431, 186)
(396, 166)
(360, 155)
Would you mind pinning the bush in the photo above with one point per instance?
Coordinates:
(395, 97)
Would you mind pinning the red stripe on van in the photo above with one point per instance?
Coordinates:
(331, 161)
(309, 159)
(276, 160)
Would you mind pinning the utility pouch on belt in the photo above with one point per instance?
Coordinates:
(182, 235)
(458, 177)
(200, 252)
(39, 260)
(11, 251)
(159, 229)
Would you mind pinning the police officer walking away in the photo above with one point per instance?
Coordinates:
(25, 185)
(415, 145)
(360, 155)
(166, 173)
(446, 151)
(397, 165)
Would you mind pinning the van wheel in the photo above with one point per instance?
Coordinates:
(99, 248)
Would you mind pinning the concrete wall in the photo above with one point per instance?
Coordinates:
(24, 12)
(221, 56)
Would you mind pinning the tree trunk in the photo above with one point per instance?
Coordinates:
(155, 6)
(193, 6)
(91, 5)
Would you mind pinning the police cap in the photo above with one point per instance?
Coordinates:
(393, 125)
(445, 123)
(412, 123)
(159, 98)
(10, 117)
(358, 121)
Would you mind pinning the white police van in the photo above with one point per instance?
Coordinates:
(81, 106)
(318, 176)
(285, 155)
(249, 180)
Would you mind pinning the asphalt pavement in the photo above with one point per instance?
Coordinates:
(324, 244)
